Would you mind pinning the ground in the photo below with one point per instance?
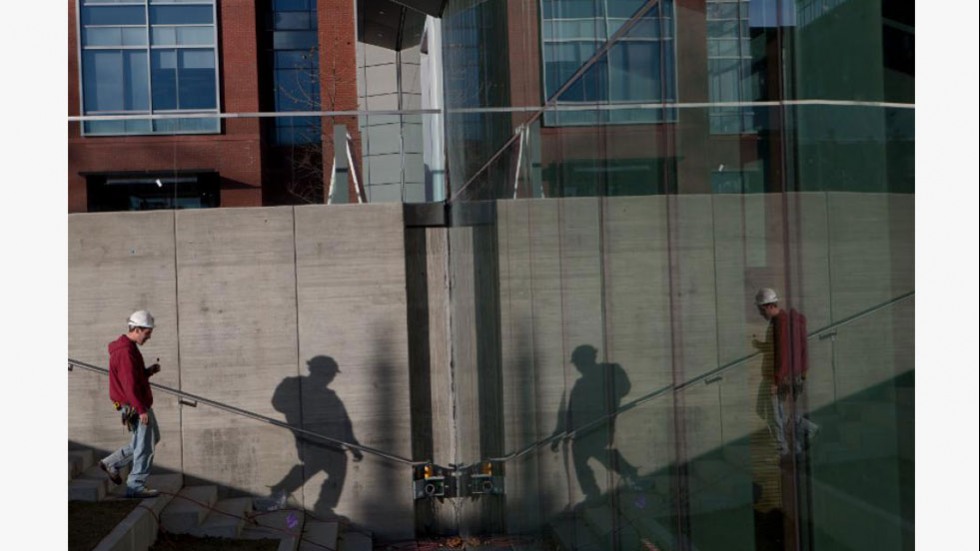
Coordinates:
(170, 542)
(88, 522)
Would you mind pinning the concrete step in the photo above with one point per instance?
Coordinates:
(649, 526)
(138, 531)
(86, 489)
(355, 541)
(613, 528)
(226, 520)
(188, 509)
(90, 485)
(318, 534)
(79, 461)
(574, 534)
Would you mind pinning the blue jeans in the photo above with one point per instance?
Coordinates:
(139, 452)
(802, 427)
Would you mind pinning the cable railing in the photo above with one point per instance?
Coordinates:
(188, 399)
(710, 377)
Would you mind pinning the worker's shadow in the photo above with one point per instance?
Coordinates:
(590, 416)
(308, 403)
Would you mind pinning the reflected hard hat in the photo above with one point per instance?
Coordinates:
(141, 318)
(584, 353)
(765, 296)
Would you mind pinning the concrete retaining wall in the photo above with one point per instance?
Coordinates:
(244, 299)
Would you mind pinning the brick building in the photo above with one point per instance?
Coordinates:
(164, 59)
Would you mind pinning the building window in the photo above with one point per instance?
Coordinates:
(731, 77)
(292, 28)
(639, 68)
(143, 57)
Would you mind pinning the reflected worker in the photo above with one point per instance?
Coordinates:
(595, 396)
(320, 412)
(129, 389)
(784, 370)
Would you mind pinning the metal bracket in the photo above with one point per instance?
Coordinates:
(485, 478)
(434, 481)
(185, 402)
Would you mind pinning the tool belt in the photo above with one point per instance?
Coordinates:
(130, 418)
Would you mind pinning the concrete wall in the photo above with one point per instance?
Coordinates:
(661, 285)
(664, 287)
(243, 299)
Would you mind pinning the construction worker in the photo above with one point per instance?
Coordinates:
(785, 365)
(129, 390)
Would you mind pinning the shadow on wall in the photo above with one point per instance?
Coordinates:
(596, 394)
(317, 409)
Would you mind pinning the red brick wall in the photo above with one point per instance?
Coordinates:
(235, 153)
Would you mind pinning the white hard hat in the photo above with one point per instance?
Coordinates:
(141, 318)
(765, 296)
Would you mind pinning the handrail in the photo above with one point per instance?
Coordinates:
(819, 333)
(238, 411)
(714, 374)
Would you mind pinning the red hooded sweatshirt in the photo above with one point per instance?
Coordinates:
(790, 350)
(129, 383)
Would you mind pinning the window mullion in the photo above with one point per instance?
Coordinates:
(149, 65)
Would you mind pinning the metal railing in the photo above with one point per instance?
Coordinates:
(708, 378)
(188, 399)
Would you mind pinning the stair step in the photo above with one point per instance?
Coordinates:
(82, 459)
(355, 541)
(609, 525)
(317, 534)
(226, 519)
(139, 529)
(573, 534)
(643, 517)
(86, 489)
(188, 509)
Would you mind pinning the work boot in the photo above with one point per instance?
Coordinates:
(142, 493)
(111, 472)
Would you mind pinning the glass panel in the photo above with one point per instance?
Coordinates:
(181, 15)
(292, 20)
(114, 15)
(294, 40)
(164, 74)
(102, 36)
(195, 36)
(164, 36)
(197, 80)
(115, 80)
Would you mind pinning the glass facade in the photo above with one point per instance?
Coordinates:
(612, 219)
(152, 57)
(624, 180)
(638, 67)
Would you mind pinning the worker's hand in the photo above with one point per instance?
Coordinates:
(555, 443)
(153, 369)
(144, 418)
(757, 343)
(357, 455)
